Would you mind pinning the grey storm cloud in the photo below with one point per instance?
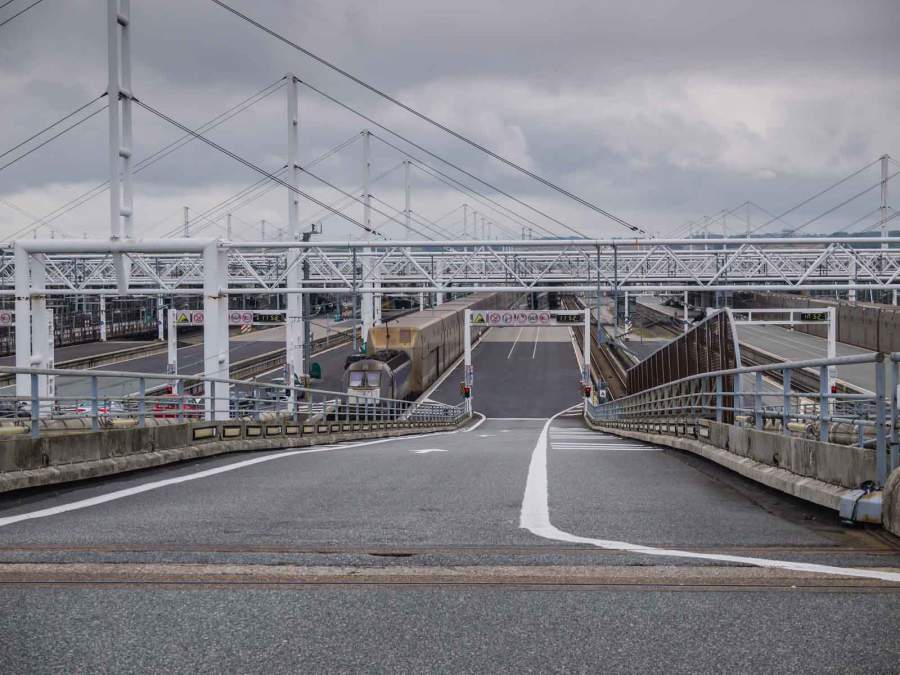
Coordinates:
(659, 111)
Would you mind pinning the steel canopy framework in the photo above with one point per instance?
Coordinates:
(176, 266)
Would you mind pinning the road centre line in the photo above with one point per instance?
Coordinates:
(535, 517)
(155, 485)
(515, 342)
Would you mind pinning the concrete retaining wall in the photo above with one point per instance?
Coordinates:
(31, 462)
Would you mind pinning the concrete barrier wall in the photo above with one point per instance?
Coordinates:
(824, 473)
(31, 462)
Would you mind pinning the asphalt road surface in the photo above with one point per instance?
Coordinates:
(793, 345)
(409, 555)
(519, 372)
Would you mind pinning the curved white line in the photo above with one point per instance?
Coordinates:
(535, 517)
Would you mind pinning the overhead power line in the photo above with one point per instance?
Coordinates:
(250, 165)
(429, 120)
(434, 155)
(161, 153)
(843, 203)
(49, 127)
(20, 13)
(53, 138)
(818, 194)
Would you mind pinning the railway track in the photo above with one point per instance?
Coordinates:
(604, 365)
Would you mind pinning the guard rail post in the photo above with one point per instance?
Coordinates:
(35, 407)
(757, 401)
(880, 420)
(95, 421)
(719, 402)
(786, 401)
(142, 402)
(823, 404)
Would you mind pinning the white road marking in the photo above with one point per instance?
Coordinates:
(537, 336)
(438, 382)
(486, 435)
(535, 517)
(515, 342)
(155, 485)
(425, 451)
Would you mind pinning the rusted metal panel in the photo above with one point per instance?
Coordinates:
(708, 347)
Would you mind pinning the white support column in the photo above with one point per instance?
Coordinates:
(439, 278)
(41, 325)
(294, 332)
(187, 222)
(172, 360)
(586, 351)
(884, 198)
(407, 208)
(468, 371)
(215, 330)
(687, 321)
(367, 302)
(160, 319)
(23, 320)
(121, 140)
(851, 278)
(103, 325)
(832, 351)
(465, 229)
(228, 227)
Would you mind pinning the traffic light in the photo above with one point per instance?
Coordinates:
(465, 390)
(587, 391)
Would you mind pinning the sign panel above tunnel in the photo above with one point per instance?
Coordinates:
(512, 317)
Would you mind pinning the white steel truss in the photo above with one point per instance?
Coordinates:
(174, 267)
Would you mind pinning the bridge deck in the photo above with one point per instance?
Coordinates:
(407, 554)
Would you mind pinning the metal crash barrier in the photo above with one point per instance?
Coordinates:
(111, 399)
(762, 397)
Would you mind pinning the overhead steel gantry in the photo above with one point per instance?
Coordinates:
(176, 267)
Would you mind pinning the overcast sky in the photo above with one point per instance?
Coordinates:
(660, 112)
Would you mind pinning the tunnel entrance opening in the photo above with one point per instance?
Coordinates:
(522, 318)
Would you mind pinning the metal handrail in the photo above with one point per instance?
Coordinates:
(704, 395)
(305, 401)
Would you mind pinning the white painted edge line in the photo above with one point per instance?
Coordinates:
(453, 366)
(537, 337)
(155, 485)
(535, 517)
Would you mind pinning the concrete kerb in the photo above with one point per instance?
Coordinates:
(27, 462)
(729, 449)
